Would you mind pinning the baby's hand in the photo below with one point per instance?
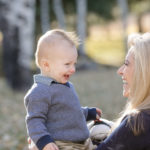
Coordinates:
(98, 115)
(51, 146)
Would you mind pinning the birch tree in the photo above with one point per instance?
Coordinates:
(17, 26)
(59, 12)
(44, 15)
(81, 23)
(123, 5)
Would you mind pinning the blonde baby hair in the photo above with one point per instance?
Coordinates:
(53, 37)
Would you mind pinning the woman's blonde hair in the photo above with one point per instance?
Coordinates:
(51, 37)
(139, 100)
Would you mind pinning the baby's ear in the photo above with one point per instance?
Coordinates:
(45, 64)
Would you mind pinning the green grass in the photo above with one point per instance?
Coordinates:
(12, 134)
(101, 88)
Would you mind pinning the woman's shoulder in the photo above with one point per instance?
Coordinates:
(139, 120)
(142, 115)
(145, 116)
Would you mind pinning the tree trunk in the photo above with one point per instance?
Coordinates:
(139, 22)
(58, 9)
(17, 25)
(45, 17)
(81, 23)
(124, 13)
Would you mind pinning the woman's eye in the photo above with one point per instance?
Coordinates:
(67, 64)
(126, 63)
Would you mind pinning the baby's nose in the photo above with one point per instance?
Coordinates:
(73, 69)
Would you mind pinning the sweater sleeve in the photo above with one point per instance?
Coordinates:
(122, 138)
(89, 113)
(37, 108)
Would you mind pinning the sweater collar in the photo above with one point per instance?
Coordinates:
(39, 78)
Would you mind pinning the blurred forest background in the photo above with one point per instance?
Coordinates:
(102, 26)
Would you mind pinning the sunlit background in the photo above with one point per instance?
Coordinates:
(103, 27)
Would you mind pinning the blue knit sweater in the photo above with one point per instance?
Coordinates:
(54, 113)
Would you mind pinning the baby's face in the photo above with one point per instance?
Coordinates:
(62, 65)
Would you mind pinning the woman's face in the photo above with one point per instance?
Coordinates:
(126, 72)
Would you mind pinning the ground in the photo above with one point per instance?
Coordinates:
(101, 88)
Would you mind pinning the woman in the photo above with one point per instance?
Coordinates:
(132, 131)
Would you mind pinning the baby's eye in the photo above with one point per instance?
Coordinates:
(67, 64)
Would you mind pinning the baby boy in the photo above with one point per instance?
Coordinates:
(53, 108)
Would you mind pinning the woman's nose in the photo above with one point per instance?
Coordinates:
(120, 70)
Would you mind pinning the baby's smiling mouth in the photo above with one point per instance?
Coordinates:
(124, 80)
(67, 76)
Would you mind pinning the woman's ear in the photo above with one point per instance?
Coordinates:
(45, 65)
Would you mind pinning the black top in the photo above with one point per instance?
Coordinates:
(122, 138)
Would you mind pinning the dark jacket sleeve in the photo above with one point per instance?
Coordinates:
(89, 113)
(122, 138)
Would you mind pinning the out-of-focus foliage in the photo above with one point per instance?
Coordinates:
(69, 6)
(102, 8)
(139, 6)
(108, 52)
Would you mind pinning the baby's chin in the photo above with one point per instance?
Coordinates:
(64, 81)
